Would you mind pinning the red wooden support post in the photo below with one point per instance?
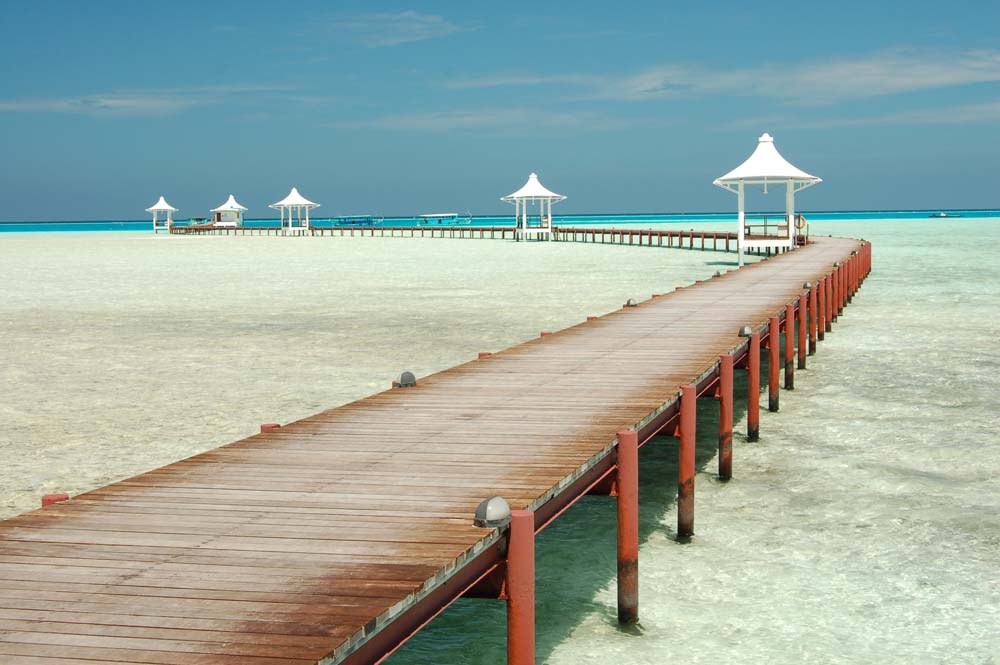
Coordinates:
(828, 304)
(803, 342)
(753, 388)
(628, 527)
(813, 319)
(773, 362)
(685, 463)
(50, 499)
(840, 292)
(725, 417)
(521, 589)
(789, 347)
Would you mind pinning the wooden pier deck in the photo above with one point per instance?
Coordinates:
(334, 538)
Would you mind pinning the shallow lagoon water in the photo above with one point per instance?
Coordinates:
(126, 351)
(863, 527)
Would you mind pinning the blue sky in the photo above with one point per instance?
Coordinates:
(403, 108)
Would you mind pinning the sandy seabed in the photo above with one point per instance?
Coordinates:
(864, 527)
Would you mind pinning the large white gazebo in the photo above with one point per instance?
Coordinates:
(168, 220)
(292, 207)
(229, 214)
(766, 167)
(533, 192)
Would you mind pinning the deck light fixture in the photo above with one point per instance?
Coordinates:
(406, 380)
(746, 331)
(492, 513)
(807, 285)
(629, 303)
(836, 264)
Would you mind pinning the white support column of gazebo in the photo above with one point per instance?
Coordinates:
(766, 166)
(294, 210)
(229, 214)
(533, 192)
(165, 223)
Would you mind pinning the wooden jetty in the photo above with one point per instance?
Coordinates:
(691, 239)
(334, 538)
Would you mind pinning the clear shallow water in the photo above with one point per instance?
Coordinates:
(863, 527)
(124, 351)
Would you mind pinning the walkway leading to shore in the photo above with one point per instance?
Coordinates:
(691, 239)
(334, 538)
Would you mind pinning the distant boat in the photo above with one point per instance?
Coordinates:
(358, 220)
(444, 219)
(943, 214)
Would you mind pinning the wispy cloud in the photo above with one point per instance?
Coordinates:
(496, 120)
(393, 29)
(814, 82)
(163, 101)
(501, 81)
(964, 114)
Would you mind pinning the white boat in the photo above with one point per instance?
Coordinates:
(444, 219)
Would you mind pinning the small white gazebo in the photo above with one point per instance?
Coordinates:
(766, 167)
(533, 192)
(229, 214)
(168, 219)
(294, 210)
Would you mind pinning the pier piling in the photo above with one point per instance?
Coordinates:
(813, 320)
(789, 347)
(725, 417)
(685, 462)
(521, 589)
(803, 342)
(773, 362)
(753, 388)
(628, 527)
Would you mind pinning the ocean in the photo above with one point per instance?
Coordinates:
(864, 526)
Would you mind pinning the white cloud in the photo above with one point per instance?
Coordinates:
(964, 114)
(497, 120)
(815, 82)
(164, 101)
(501, 81)
(393, 29)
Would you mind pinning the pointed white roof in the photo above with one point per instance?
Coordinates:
(766, 164)
(231, 205)
(294, 200)
(533, 190)
(161, 206)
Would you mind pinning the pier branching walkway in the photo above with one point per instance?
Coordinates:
(333, 538)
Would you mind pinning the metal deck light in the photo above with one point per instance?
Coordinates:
(492, 513)
(746, 331)
(406, 380)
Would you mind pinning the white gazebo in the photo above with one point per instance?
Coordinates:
(294, 210)
(533, 192)
(766, 167)
(229, 214)
(168, 219)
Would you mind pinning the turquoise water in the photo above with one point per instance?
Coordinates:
(864, 527)
(508, 220)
